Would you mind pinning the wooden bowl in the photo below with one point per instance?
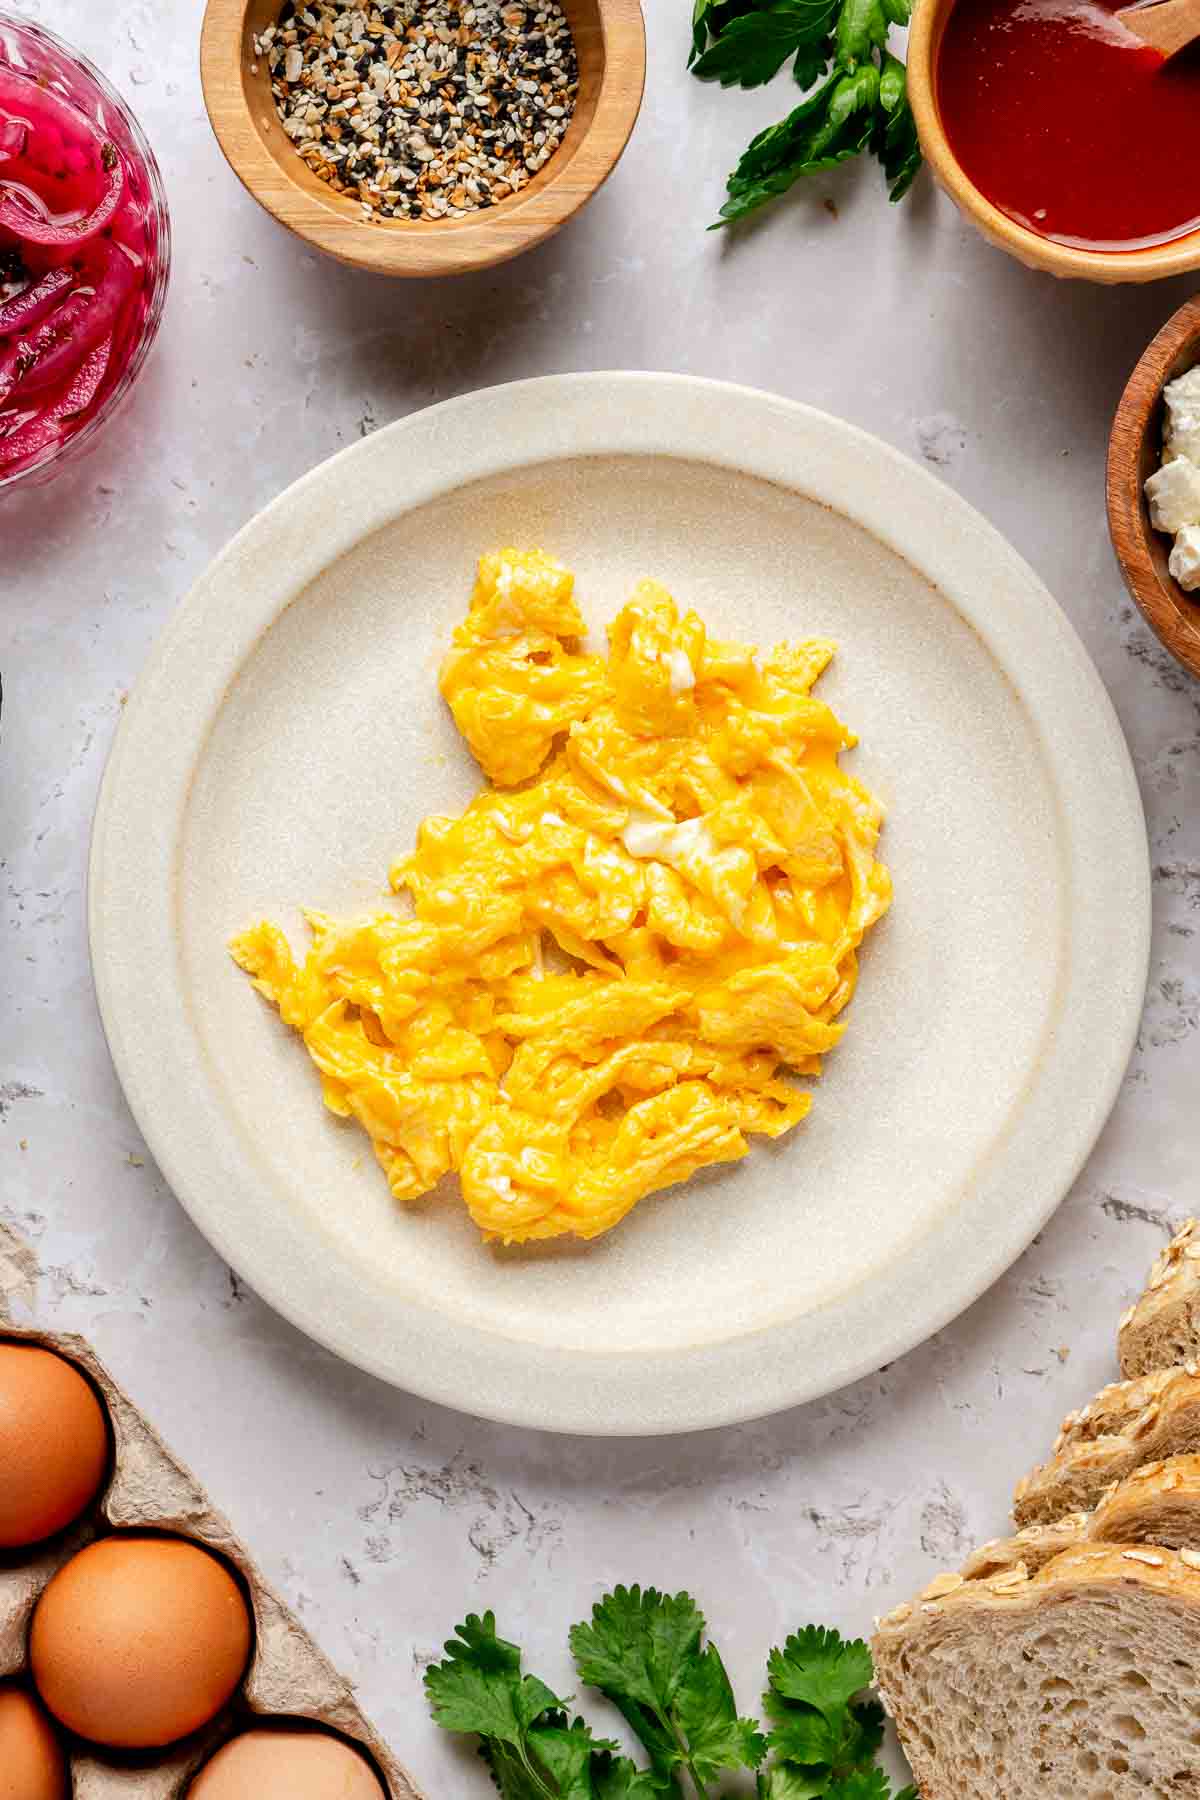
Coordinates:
(610, 38)
(1151, 264)
(1134, 452)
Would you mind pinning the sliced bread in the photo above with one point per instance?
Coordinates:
(1076, 1683)
(1158, 1505)
(1126, 1426)
(1164, 1326)
(1028, 1550)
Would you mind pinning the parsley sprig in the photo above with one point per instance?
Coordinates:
(838, 49)
(647, 1653)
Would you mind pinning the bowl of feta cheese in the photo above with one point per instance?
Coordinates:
(1154, 485)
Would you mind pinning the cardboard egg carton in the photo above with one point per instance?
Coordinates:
(150, 1489)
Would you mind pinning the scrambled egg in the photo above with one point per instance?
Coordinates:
(618, 951)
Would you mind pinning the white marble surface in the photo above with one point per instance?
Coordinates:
(382, 1518)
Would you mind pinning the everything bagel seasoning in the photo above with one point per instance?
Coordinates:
(428, 109)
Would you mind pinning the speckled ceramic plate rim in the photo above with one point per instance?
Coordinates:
(142, 806)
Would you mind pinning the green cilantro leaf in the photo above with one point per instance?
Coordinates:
(480, 1687)
(752, 49)
(647, 1654)
(801, 1735)
(707, 1712)
(639, 1645)
(788, 1781)
(643, 1651)
(566, 1751)
(861, 1784)
(616, 1778)
(528, 1741)
(820, 1668)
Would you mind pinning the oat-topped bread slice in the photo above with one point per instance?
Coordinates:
(1158, 1504)
(1126, 1426)
(1028, 1550)
(1076, 1684)
(1163, 1327)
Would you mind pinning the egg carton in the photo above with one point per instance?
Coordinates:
(148, 1488)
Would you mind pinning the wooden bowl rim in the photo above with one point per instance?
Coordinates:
(427, 247)
(1153, 263)
(1171, 614)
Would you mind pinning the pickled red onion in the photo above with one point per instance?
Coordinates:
(48, 427)
(34, 225)
(14, 136)
(35, 301)
(69, 332)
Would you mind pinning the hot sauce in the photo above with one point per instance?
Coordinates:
(1069, 123)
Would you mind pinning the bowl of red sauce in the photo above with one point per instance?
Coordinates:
(1064, 138)
(85, 251)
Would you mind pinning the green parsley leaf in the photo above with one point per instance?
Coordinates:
(820, 1668)
(701, 13)
(862, 106)
(895, 142)
(812, 61)
(752, 49)
(861, 29)
(832, 125)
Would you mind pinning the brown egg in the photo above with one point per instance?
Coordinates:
(139, 1640)
(289, 1764)
(32, 1765)
(53, 1444)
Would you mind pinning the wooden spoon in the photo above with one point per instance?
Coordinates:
(1166, 25)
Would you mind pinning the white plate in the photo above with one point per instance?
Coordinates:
(287, 737)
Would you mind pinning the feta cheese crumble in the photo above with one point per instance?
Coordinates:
(1173, 491)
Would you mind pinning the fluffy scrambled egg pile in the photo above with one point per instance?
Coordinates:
(618, 949)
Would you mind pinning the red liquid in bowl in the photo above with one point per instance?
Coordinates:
(1070, 124)
(79, 255)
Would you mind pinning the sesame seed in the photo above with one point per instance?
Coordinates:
(423, 109)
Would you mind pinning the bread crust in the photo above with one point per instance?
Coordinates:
(1028, 1550)
(1126, 1426)
(1158, 1504)
(1163, 1326)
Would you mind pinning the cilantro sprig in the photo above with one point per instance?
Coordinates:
(825, 1733)
(643, 1651)
(647, 1654)
(856, 89)
(527, 1738)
